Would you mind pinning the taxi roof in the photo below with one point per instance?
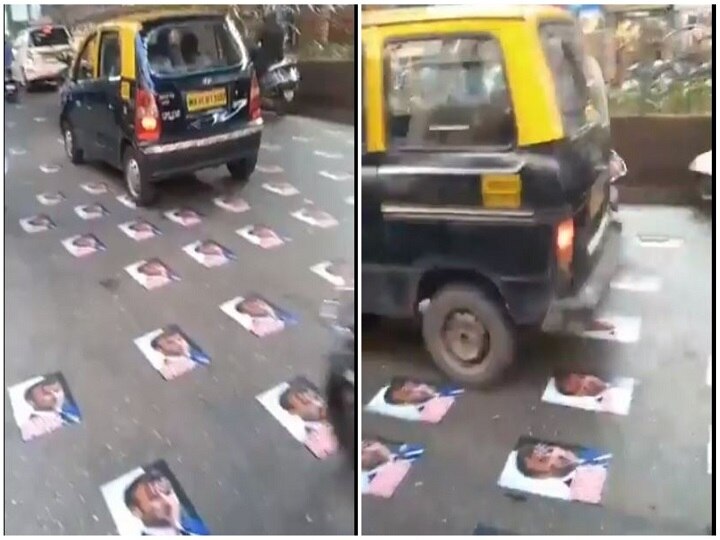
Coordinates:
(137, 19)
(384, 17)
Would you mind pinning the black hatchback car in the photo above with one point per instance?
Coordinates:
(161, 94)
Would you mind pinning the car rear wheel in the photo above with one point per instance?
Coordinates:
(242, 169)
(141, 190)
(468, 335)
(72, 150)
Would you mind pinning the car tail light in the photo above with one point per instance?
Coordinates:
(147, 116)
(564, 241)
(255, 105)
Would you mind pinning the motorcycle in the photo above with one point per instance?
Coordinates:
(340, 383)
(12, 89)
(279, 85)
(702, 167)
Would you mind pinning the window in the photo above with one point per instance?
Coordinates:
(49, 36)
(191, 46)
(448, 92)
(563, 51)
(85, 66)
(109, 55)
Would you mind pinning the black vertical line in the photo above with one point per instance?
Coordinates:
(357, 262)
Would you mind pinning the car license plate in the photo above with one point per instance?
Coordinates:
(208, 99)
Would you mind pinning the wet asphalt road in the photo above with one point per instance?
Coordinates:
(658, 480)
(242, 471)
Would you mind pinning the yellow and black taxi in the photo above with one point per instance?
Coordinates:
(163, 93)
(487, 178)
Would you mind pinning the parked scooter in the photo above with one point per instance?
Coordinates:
(279, 85)
(702, 167)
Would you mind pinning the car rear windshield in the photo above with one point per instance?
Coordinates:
(48, 37)
(193, 46)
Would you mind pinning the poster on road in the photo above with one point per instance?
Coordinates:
(413, 400)
(315, 217)
(556, 470)
(36, 224)
(42, 405)
(149, 501)
(281, 188)
(610, 328)
(151, 273)
(633, 282)
(232, 203)
(270, 169)
(187, 217)
(51, 199)
(258, 316)
(659, 241)
(385, 464)
(591, 393)
(139, 230)
(337, 272)
(95, 188)
(82, 245)
(171, 352)
(261, 236)
(91, 211)
(300, 409)
(209, 253)
(125, 200)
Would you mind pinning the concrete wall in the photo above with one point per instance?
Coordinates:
(327, 90)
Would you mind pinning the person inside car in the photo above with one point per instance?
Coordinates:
(189, 49)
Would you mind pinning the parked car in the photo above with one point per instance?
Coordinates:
(161, 94)
(36, 52)
(486, 180)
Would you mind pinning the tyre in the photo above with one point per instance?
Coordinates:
(72, 149)
(242, 169)
(341, 413)
(469, 336)
(137, 181)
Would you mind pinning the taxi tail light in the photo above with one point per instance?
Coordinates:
(255, 105)
(564, 242)
(147, 116)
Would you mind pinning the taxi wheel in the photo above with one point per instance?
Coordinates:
(140, 188)
(468, 335)
(72, 151)
(242, 169)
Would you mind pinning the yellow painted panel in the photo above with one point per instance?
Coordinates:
(501, 190)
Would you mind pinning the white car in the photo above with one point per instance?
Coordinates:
(36, 52)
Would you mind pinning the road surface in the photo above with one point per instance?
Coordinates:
(241, 469)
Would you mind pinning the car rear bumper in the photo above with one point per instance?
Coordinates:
(43, 73)
(164, 160)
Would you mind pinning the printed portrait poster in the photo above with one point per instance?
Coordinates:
(125, 200)
(611, 328)
(171, 352)
(629, 281)
(232, 203)
(315, 217)
(385, 464)
(36, 224)
(139, 230)
(209, 253)
(659, 241)
(591, 393)
(556, 470)
(337, 177)
(281, 188)
(258, 316)
(187, 217)
(83, 245)
(337, 272)
(413, 400)
(51, 199)
(261, 236)
(42, 405)
(49, 169)
(270, 169)
(149, 501)
(152, 273)
(95, 188)
(327, 155)
(91, 211)
(299, 407)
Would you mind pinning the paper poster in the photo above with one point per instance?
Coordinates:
(269, 169)
(385, 464)
(95, 188)
(149, 501)
(91, 211)
(413, 400)
(300, 409)
(139, 230)
(42, 405)
(83, 245)
(281, 188)
(257, 315)
(299, 138)
(36, 224)
(659, 241)
(232, 203)
(151, 273)
(209, 253)
(270, 147)
(327, 155)
(125, 200)
(629, 281)
(187, 217)
(611, 328)
(171, 352)
(337, 272)
(591, 393)
(315, 217)
(262, 236)
(49, 169)
(337, 177)
(51, 199)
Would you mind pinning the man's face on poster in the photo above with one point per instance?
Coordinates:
(187, 215)
(374, 454)
(550, 461)
(307, 404)
(40, 221)
(256, 307)
(173, 344)
(413, 392)
(262, 232)
(155, 503)
(47, 396)
(85, 242)
(142, 227)
(94, 209)
(154, 269)
(579, 385)
(210, 249)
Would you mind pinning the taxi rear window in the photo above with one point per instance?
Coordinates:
(191, 46)
(49, 36)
